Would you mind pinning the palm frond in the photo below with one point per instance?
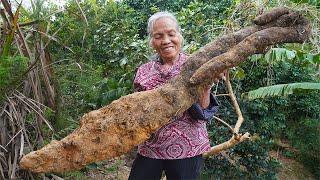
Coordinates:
(281, 90)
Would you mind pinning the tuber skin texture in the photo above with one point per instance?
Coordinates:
(120, 126)
(270, 16)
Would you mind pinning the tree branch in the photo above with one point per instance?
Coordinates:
(223, 122)
(236, 138)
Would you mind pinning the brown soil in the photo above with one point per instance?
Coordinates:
(114, 169)
(290, 168)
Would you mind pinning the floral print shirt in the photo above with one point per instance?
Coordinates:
(184, 136)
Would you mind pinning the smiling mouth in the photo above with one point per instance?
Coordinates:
(167, 48)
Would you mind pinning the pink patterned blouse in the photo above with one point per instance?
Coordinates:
(183, 137)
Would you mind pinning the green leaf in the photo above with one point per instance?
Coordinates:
(309, 57)
(123, 61)
(239, 73)
(256, 57)
(279, 54)
(281, 90)
(290, 54)
(134, 44)
(316, 59)
(92, 166)
(113, 94)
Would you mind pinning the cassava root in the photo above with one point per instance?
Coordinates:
(120, 126)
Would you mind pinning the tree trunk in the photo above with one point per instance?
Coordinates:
(119, 127)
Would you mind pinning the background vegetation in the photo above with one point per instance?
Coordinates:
(69, 61)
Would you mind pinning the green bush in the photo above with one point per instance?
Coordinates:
(294, 118)
(77, 90)
(11, 70)
(303, 129)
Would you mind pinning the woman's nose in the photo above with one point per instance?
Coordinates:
(166, 40)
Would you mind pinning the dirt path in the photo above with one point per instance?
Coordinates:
(291, 169)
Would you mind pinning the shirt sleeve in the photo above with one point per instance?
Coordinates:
(197, 113)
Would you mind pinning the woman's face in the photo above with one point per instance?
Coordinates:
(166, 39)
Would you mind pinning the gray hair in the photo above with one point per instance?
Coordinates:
(159, 15)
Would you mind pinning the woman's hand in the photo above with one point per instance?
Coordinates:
(204, 99)
(221, 76)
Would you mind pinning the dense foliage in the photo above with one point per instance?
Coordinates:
(288, 118)
(97, 46)
(9, 66)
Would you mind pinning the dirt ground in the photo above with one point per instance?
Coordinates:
(115, 169)
(291, 169)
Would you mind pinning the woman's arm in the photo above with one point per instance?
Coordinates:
(207, 105)
(197, 112)
(204, 99)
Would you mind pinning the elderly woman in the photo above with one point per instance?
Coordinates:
(177, 147)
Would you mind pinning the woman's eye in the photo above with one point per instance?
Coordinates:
(172, 34)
